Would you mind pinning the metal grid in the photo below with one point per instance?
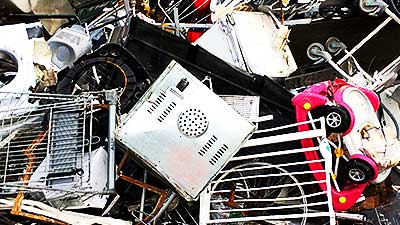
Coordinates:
(270, 187)
(46, 142)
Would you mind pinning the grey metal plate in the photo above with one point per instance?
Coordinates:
(185, 136)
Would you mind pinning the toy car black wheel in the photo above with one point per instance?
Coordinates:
(337, 119)
(359, 171)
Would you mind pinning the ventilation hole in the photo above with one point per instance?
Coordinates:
(190, 120)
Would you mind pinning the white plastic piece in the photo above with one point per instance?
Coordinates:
(14, 42)
(364, 115)
(325, 150)
(68, 44)
(23, 5)
(97, 183)
(252, 41)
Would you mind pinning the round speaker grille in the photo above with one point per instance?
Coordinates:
(192, 122)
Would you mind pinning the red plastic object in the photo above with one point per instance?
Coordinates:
(318, 95)
(202, 5)
(202, 9)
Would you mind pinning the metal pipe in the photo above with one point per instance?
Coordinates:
(128, 8)
(164, 207)
(111, 97)
(390, 66)
(392, 15)
(143, 196)
(367, 38)
(176, 20)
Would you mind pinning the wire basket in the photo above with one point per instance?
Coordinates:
(46, 143)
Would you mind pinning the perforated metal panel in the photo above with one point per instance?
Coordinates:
(183, 131)
(192, 122)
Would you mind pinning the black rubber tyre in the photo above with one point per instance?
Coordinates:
(116, 68)
(358, 171)
(337, 119)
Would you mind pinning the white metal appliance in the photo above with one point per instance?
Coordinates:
(183, 131)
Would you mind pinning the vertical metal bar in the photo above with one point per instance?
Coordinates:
(143, 196)
(2, 126)
(128, 8)
(82, 157)
(49, 136)
(90, 136)
(363, 41)
(176, 20)
(8, 154)
(111, 97)
(332, 219)
(204, 214)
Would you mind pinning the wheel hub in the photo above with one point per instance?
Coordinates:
(333, 119)
(356, 174)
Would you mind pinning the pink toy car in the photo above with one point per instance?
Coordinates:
(349, 111)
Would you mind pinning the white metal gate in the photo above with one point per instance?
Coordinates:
(271, 187)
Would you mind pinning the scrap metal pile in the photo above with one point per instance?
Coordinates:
(199, 112)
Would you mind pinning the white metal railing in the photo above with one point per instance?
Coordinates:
(273, 185)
